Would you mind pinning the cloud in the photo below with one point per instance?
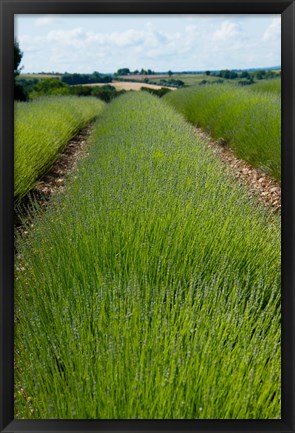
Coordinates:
(123, 39)
(226, 31)
(74, 38)
(46, 20)
(273, 31)
(128, 38)
(78, 38)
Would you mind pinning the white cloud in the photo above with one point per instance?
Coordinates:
(273, 31)
(46, 20)
(74, 37)
(227, 30)
(123, 39)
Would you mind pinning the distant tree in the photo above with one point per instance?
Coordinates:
(270, 74)
(207, 72)
(80, 90)
(50, 86)
(158, 92)
(95, 77)
(245, 74)
(18, 54)
(20, 93)
(123, 71)
(171, 82)
(105, 93)
(260, 74)
(170, 73)
(229, 75)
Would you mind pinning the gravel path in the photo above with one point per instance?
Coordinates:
(53, 181)
(260, 185)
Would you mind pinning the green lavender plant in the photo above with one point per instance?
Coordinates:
(249, 121)
(150, 288)
(42, 128)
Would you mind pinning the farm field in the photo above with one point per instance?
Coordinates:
(125, 85)
(194, 79)
(42, 128)
(248, 121)
(188, 79)
(152, 295)
(40, 76)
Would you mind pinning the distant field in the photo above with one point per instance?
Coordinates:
(188, 79)
(125, 85)
(192, 79)
(39, 76)
(142, 77)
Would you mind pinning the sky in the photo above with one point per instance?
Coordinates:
(105, 43)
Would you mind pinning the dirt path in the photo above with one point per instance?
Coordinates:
(53, 181)
(260, 185)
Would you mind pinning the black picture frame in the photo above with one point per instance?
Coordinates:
(7, 11)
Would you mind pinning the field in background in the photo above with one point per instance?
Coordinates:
(173, 81)
(154, 281)
(124, 85)
(39, 76)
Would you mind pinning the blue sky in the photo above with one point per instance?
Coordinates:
(105, 43)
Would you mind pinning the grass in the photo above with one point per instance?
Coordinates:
(42, 129)
(194, 79)
(154, 281)
(189, 79)
(249, 122)
(268, 86)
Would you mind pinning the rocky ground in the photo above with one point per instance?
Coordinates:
(53, 181)
(261, 186)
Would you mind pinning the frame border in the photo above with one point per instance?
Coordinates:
(7, 10)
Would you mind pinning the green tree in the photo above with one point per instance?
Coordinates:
(123, 71)
(18, 54)
(50, 86)
(245, 74)
(260, 74)
(19, 92)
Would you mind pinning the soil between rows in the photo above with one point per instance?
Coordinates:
(260, 185)
(53, 181)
